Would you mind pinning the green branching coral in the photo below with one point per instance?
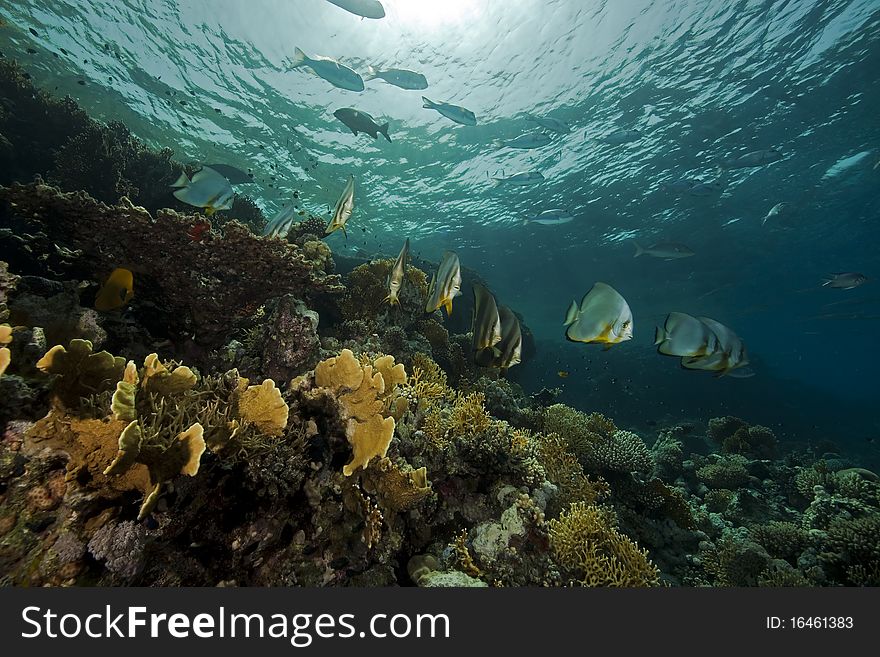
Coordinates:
(782, 540)
(592, 552)
(597, 442)
(855, 540)
(727, 472)
(735, 436)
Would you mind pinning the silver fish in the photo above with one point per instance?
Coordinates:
(358, 121)
(344, 208)
(622, 137)
(845, 280)
(555, 217)
(702, 189)
(529, 141)
(362, 8)
(451, 112)
(664, 250)
(397, 274)
(554, 125)
(485, 326)
(603, 317)
(208, 189)
(445, 284)
(777, 213)
(521, 179)
(510, 346)
(281, 223)
(730, 353)
(335, 73)
(399, 77)
(684, 335)
(754, 159)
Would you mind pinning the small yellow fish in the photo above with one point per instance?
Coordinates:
(117, 291)
(562, 374)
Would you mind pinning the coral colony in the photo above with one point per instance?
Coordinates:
(185, 401)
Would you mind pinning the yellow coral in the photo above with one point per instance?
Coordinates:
(124, 399)
(5, 354)
(365, 393)
(81, 372)
(586, 543)
(564, 471)
(264, 407)
(397, 490)
(466, 416)
(368, 439)
(157, 378)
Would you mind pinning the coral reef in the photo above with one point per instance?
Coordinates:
(229, 282)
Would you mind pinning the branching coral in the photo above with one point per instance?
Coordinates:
(589, 548)
(782, 540)
(728, 472)
(366, 286)
(233, 273)
(598, 443)
(396, 489)
(465, 416)
(735, 436)
(565, 472)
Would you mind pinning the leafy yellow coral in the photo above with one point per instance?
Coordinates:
(396, 489)
(81, 372)
(5, 355)
(365, 393)
(157, 378)
(587, 545)
(264, 407)
(123, 403)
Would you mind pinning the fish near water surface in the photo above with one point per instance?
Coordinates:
(207, 189)
(528, 141)
(778, 213)
(555, 217)
(603, 317)
(358, 121)
(548, 123)
(335, 73)
(845, 280)
(754, 159)
(455, 113)
(622, 137)
(117, 291)
(445, 284)
(363, 8)
(397, 275)
(664, 250)
(344, 208)
(521, 179)
(399, 77)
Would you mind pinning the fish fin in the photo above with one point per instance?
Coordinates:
(210, 210)
(571, 314)
(384, 130)
(354, 132)
(427, 104)
(448, 305)
(370, 74)
(183, 181)
(660, 335)
(607, 346)
(639, 249)
(299, 58)
(343, 231)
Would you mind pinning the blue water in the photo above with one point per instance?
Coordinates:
(703, 81)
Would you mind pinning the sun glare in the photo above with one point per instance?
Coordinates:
(432, 13)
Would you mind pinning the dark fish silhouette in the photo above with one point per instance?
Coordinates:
(358, 122)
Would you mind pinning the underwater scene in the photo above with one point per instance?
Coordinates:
(462, 293)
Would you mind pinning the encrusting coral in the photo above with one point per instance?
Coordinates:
(230, 281)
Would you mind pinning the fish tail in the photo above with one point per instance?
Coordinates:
(639, 249)
(427, 104)
(384, 130)
(660, 335)
(448, 306)
(370, 74)
(299, 58)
